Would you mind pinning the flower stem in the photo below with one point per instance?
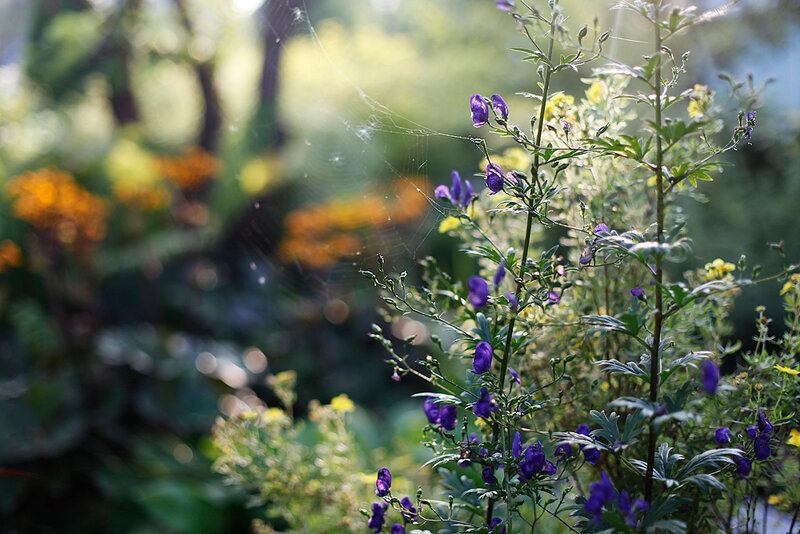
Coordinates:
(655, 353)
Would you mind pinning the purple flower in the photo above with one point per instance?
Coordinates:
(564, 451)
(751, 117)
(500, 274)
(377, 520)
(516, 445)
(469, 193)
(409, 513)
(488, 475)
(456, 191)
(625, 507)
(710, 377)
(586, 256)
(723, 435)
(533, 462)
(383, 483)
(483, 407)
(480, 110)
(600, 493)
(764, 426)
(494, 178)
(512, 300)
(514, 375)
(432, 411)
(500, 107)
(495, 522)
(637, 292)
(448, 416)
(504, 5)
(553, 297)
(743, 466)
(397, 528)
(592, 454)
(583, 429)
(478, 291)
(601, 227)
(761, 447)
(482, 362)
(549, 468)
(442, 192)
(752, 432)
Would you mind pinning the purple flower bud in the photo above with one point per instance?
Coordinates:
(710, 377)
(743, 466)
(469, 193)
(764, 425)
(752, 432)
(482, 362)
(514, 375)
(637, 292)
(480, 110)
(500, 107)
(397, 528)
(553, 297)
(409, 512)
(478, 291)
(384, 482)
(432, 411)
(601, 228)
(751, 117)
(456, 192)
(496, 522)
(500, 273)
(600, 493)
(504, 5)
(516, 445)
(563, 451)
(583, 429)
(512, 300)
(532, 464)
(586, 256)
(549, 468)
(488, 475)
(442, 192)
(592, 455)
(377, 520)
(494, 178)
(723, 435)
(761, 447)
(484, 407)
(448, 416)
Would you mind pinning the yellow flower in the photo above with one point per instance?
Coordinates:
(787, 370)
(774, 499)
(450, 223)
(558, 105)
(794, 438)
(718, 269)
(594, 93)
(273, 414)
(786, 288)
(342, 403)
(695, 109)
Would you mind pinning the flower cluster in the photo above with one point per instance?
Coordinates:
(321, 234)
(719, 269)
(55, 204)
(191, 169)
(460, 193)
(602, 494)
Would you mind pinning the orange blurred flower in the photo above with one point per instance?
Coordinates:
(10, 255)
(318, 236)
(191, 169)
(52, 201)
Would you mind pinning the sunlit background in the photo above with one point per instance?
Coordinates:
(188, 189)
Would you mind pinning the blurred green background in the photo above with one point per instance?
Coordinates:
(189, 187)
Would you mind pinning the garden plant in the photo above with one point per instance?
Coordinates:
(598, 388)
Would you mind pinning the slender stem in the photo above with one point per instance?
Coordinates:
(655, 355)
(520, 279)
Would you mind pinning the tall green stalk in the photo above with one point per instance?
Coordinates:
(655, 355)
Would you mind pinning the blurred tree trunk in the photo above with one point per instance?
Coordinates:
(212, 113)
(118, 47)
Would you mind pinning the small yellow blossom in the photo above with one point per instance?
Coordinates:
(594, 93)
(719, 269)
(342, 403)
(558, 106)
(794, 438)
(774, 499)
(701, 100)
(787, 370)
(793, 281)
(449, 223)
(273, 414)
